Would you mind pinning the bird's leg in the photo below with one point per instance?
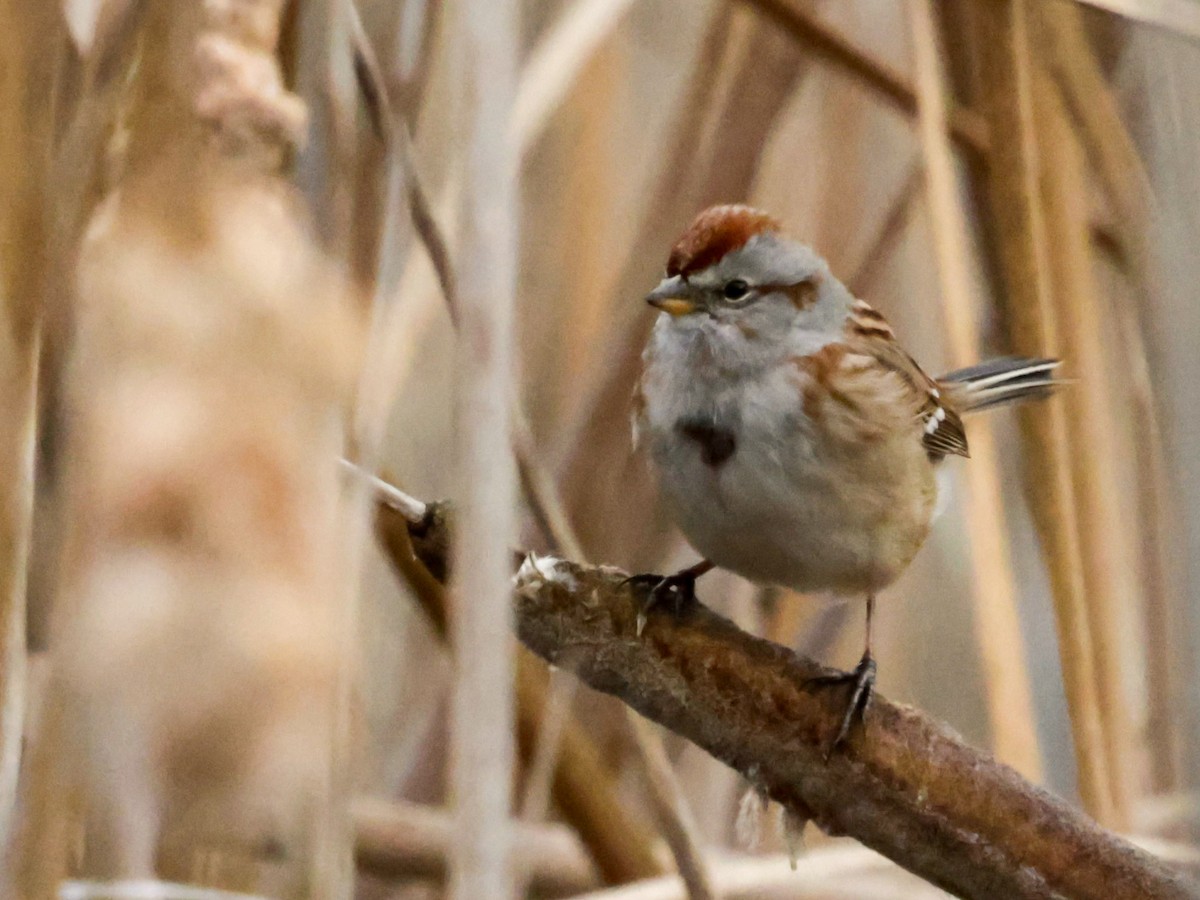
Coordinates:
(862, 680)
(681, 587)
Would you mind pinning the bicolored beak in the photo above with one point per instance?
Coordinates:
(673, 296)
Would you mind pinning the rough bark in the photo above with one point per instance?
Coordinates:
(905, 785)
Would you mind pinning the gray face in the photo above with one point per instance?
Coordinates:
(768, 290)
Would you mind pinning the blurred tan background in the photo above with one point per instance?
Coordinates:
(1049, 618)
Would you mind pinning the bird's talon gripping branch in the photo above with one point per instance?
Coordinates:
(680, 587)
(862, 682)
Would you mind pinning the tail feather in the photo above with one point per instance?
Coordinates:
(1004, 380)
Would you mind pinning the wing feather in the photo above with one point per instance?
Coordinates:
(942, 430)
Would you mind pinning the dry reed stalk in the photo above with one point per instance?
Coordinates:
(78, 173)
(1176, 16)
(25, 141)
(719, 140)
(1021, 231)
(827, 873)
(584, 788)
(558, 60)
(193, 691)
(997, 617)
(418, 290)
(1093, 425)
(408, 841)
(888, 234)
(391, 94)
(325, 162)
(1163, 609)
(480, 773)
(839, 51)
(1094, 107)
(388, 91)
(539, 736)
(592, 181)
(673, 811)
(1114, 158)
(535, 798)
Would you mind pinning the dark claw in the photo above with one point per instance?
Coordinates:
(862, 680)
(680, 587)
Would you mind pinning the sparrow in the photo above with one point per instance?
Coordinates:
(796, 442)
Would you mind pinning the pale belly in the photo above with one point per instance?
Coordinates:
(782, 508)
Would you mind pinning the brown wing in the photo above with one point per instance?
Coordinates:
(868, 333)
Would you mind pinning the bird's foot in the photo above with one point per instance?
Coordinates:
(679, 588)
(862, 682)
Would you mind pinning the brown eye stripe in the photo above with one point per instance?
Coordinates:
(803, 294)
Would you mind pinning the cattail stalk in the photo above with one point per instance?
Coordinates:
(997, 618)
(1013, 174)
(482, 710)
(1103, 536)
(24, 148)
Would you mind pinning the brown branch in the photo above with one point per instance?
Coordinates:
(966, 127)
(906, 787)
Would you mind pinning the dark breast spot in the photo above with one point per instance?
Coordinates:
(716, 444)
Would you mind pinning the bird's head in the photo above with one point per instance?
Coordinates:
(734, 275)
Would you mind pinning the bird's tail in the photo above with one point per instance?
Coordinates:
(1004, 380)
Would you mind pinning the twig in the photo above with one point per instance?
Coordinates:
(999, 641)
(905, 786)
(393, 131)
(412, 509)
(966, 127)
(406, 840)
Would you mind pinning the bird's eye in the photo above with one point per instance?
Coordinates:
(736, 289)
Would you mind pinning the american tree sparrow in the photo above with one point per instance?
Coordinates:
(796, 442)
